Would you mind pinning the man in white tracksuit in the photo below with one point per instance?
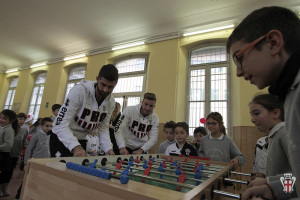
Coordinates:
(88, 106)
(134, 126)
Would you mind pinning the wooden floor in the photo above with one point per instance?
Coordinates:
(15, 183)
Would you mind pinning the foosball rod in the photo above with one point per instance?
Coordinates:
(172, 170)
(164, 174)
(239, 173)
(236, 181)
(227, 194)
(191, 169)
(157, 179)
(192, 163)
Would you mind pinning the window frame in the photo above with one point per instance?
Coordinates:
(12, 97)
(75, 81)
(39, 85)
(207, 67)
(126, 95)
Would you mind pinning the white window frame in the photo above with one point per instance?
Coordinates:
(11, 97)
(127, 95)
(74, 81)
(37, 104)
(207, 67)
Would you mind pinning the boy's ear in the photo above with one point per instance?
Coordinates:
(275, 41)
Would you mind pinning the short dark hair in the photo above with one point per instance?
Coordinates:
(22, 115)
(261, 21)
(184, 125)
(46, 119)
(109, 72)
(150, 96)
(201, 130)
(56, 106)
(270, 103)
(170, 124)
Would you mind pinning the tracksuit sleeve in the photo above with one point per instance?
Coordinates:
(236, 153)
(120, 128)
(103, 130)
(30, 148)
(66, 114)
(153, 136)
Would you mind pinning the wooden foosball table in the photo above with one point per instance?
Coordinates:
(131, 177)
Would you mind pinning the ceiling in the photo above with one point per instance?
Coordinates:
(34, 31)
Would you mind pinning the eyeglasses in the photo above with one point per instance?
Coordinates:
(211, 124)
(237, 57)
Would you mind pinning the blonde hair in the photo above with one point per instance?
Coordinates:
(116, 111)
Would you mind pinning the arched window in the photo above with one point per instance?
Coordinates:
(11, 93)
(37, 94)
(132, 78)
(208, 85)
(76, 74)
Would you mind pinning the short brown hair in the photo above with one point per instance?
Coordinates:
(150, 96)
(184, 125)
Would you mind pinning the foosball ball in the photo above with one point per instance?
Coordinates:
(127, 177)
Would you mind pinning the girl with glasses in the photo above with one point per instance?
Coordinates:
(217, 146)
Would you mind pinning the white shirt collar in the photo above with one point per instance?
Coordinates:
(219, 138)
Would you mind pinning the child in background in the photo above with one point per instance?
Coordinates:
(9, 126)
(267, 115)
(217, 146)
(35, 127)
(20, 141)
(38, 146)
(28, 122)
(199, 133)
(92, 144)
(181, 147)
(55, 109)
(170, 136)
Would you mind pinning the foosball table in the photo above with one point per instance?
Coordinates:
(131, 177)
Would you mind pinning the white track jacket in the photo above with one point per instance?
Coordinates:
(80, 115)
(132, 129)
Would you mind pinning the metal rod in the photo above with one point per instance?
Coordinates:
(240, 173)
(228, 194)
(157, 179)
(236, 181)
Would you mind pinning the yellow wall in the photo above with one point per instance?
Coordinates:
(166, 77)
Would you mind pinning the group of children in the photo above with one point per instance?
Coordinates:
(16, 136)
(214, 145)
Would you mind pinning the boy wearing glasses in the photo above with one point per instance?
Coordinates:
(265, 47)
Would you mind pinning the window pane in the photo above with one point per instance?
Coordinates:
(131, 65)
(41, 78)
(197, 88)
(208, 55)
(77, 73)
(34, 95)
(221, 107)
(120, 100)
(197, 110)
(132, 101)
(6, 107)
(69, 86)
(12, 97)
(40, 95)
(30, 110)
(9, 94)
(130, 84)
(36, 113)
(218, 83)
(13, 83)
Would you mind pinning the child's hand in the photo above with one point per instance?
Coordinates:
(258, 182)
(235, 163)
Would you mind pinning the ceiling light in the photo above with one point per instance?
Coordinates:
(209, 30)
(37, 65)
(74, 57)
(12, 70)
(128, 45)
